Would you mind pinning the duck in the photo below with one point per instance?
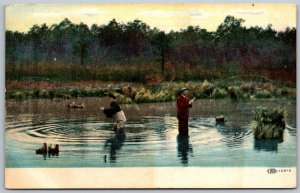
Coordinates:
(54, 150)
(42, 150)
(220, 119)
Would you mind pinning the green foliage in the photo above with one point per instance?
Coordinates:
(219, 93)
(162, 92)
(263, 93)
(70, 51)
(233, 92)
(269, 123)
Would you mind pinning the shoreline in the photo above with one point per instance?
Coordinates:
(128, 93)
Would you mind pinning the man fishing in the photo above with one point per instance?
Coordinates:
(115, 111)
(183, 105)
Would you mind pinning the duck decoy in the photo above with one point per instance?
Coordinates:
(54, 150)
(42, 150)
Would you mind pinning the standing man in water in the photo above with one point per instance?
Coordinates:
(115, 111)
(183, 105)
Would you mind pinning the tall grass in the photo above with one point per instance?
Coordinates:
(69, 72)
(141, 71)
(269, 123)
(142, 93)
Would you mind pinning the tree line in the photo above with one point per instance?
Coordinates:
(133, 42)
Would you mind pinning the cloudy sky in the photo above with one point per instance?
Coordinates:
(21, 17)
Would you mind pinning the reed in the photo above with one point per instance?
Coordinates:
(145, 93)
(269, 123)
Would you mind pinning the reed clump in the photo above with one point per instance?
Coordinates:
(269, 123)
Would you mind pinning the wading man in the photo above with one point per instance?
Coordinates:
(115, 111)
(183, 105)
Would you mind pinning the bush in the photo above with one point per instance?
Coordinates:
(207, 88)
(122, 99)
(269, 123)
(263, 94)
(19, 95)
(44, 93)
(233, 92)
(219, 93)
(248, 88)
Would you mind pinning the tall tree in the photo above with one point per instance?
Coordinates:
(162, 42)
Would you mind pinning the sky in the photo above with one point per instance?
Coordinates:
(166, 17)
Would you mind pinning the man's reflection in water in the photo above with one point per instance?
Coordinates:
(184, 148)
(113, 144)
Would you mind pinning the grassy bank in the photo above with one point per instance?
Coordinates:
(144, 93)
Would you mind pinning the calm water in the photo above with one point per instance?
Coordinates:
(86, 138)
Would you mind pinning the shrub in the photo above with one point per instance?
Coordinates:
(248, 87)
(233, 92)
(219, 93)
(122, 99)
(19, 95)
(262, 93)
(207, 88)
(44, 93)
(269, 123)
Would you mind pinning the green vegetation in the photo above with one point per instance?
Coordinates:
(161, 92)
(135, 52)
(269, 123)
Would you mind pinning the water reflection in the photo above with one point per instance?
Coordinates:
(149, 136)
(267, 144)
(114, 144)
(233, 137)
(183, 149)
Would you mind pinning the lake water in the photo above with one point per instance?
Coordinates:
(86, 138)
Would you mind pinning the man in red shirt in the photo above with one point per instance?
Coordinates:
(183, 105)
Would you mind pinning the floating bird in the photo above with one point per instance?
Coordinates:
(54, 150)
(42, 150)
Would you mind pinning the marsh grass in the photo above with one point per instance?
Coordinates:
(269, 123)
(145, 93)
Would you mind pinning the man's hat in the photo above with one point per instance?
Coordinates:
(182, 90)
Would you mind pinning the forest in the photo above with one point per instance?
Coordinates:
(135, 52)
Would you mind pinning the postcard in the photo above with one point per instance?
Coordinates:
(150, 96)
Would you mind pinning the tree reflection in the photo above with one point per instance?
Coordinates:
(183, 149)
(114, 144)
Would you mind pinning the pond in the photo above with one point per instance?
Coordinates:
(86, 138)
